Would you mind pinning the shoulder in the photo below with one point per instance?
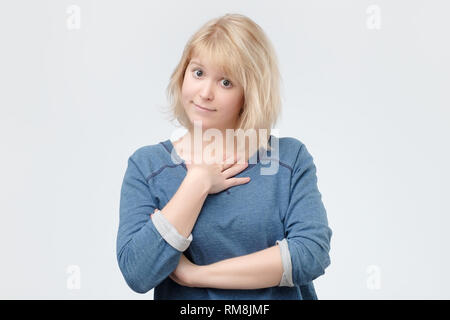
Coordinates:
(290, 149)
(147, 150)
(149, 158)
(290, 143)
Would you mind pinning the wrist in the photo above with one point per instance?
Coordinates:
(198, 180)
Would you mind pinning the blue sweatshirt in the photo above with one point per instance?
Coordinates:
(281, 205)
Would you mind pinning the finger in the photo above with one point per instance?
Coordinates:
(233, 159)
(234, 170)
(229, 162)
(238, 181)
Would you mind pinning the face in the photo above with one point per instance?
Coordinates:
(204, 85)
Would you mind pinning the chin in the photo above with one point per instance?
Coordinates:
(205, 122)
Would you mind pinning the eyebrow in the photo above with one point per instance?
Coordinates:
(197, 63)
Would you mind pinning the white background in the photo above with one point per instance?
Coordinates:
(371, 104)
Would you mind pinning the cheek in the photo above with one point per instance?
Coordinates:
(237, 102)
(231, 106)
(187, 89)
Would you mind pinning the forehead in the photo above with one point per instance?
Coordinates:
(210, 58)
(207, 64)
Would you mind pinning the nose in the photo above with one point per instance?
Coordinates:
(206, 91)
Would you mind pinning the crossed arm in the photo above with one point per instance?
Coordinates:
(261, 269)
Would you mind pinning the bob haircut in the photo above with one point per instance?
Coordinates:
(240, 49)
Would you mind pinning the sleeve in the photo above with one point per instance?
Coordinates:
(308, 236)
(286, 278)
(145, 258)
(169, 232)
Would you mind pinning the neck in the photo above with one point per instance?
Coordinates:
(211, 144)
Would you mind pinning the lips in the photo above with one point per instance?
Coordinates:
(201, 107)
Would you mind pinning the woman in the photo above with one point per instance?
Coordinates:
(201, 220)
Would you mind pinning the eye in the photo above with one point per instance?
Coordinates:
(227, 83)
(195, 72)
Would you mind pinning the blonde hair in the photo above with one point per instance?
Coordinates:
(239, 47)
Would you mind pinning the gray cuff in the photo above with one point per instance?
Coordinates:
(286, 279)
(169, 233)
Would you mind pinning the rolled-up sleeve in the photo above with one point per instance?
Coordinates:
(169, 232)
(286, 278)
(308, 235)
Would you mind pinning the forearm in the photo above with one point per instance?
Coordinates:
(261, 269)
(184, 207)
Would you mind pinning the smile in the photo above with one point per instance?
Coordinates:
(202, 108)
